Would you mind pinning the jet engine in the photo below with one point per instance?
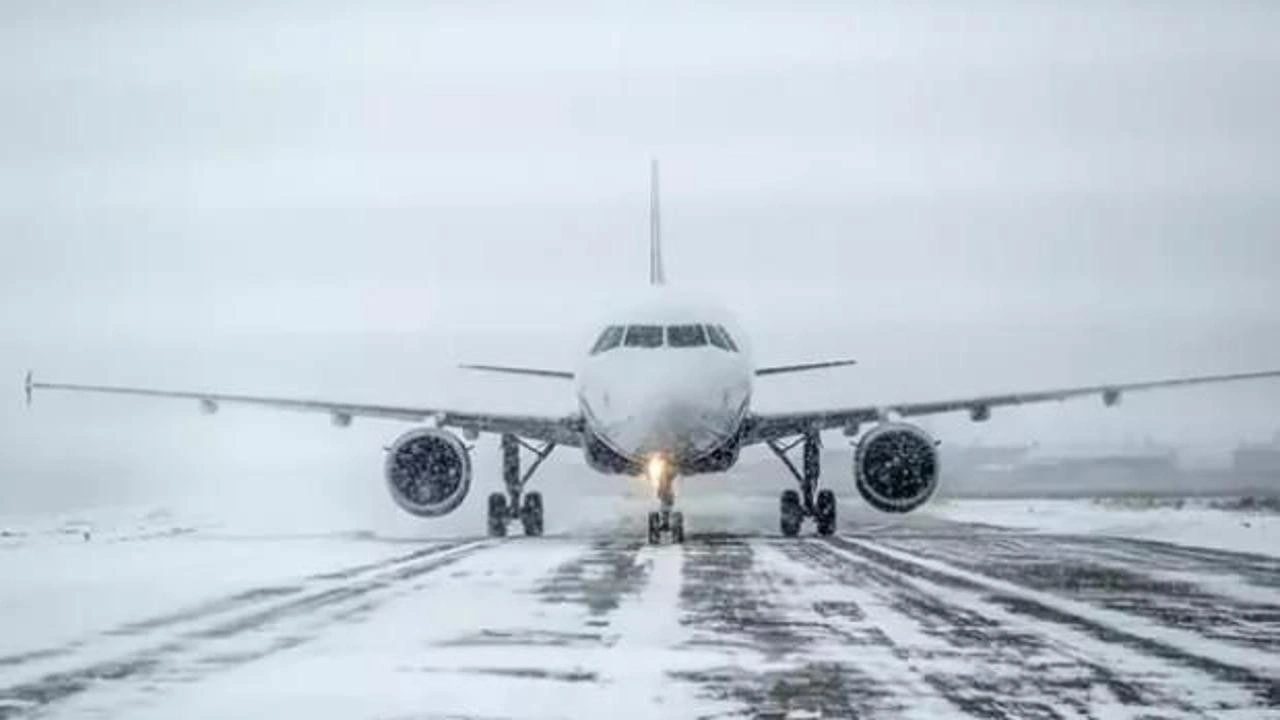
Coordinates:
(896, 467)
(428, 472)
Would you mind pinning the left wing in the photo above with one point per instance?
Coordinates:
(764, 427)
(565, 430)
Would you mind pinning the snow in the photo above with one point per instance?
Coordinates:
(139, 563)
(166, 614)
(1194, 524)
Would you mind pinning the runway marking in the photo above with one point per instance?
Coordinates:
(1244, 667)
(650, 633)
(134, 659)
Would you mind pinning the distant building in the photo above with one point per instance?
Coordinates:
(1262, 459)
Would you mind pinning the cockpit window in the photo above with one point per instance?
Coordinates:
(686, 336)
(609, 339)
(646, 336)
(720, 338)
(717, 338)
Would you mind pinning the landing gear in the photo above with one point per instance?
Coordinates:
(509, 506)
(666, 519)
(497, 515)
(794, 506)
(671, 521)
(790, 513)
(531, 514)
(824, 512)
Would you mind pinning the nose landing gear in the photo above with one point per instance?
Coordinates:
(665, 518)
(509, 506)
(793, 506)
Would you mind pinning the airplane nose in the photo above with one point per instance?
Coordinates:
(682, 425)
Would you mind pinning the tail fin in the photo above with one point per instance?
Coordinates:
(657, 275)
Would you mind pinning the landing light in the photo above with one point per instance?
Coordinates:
(656, 469)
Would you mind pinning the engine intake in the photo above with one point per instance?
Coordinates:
(896, 467)
(428, 472)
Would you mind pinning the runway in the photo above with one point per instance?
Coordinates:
(892, 621)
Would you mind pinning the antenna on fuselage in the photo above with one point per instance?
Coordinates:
(657, 275)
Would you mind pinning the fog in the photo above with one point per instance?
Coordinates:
(342, 202)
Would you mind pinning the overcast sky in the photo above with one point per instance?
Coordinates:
(962, 195)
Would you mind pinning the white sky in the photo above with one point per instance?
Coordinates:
(965, 196)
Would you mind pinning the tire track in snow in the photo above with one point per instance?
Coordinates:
(744, 611)
(191, 652)
(217, 606)
(1134, 579)
(1193, 672)
(980, 666)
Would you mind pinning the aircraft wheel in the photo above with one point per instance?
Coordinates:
(677, 527)
(531, 514)
(825, 512)
(789, 512)
(497, 515)
(655, 528)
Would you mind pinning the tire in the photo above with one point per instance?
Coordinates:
(497, 515)
(531, 514)
(825, 512)
(655, 528)
(677, 527)
(789, 513)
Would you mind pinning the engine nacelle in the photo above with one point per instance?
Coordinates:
(896, 467)
(428, 472)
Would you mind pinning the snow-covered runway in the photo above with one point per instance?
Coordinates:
(914, 621)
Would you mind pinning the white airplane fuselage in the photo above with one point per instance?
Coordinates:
(678, 403)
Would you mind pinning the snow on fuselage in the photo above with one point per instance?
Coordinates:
(679, 396)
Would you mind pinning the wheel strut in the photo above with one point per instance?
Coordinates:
(808, 502)
(511, 506)
(512, 478)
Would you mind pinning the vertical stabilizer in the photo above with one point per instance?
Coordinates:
(657, 275)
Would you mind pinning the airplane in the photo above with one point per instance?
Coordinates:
(664, 392)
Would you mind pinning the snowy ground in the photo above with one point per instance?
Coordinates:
(938, 614)
(1196, 523)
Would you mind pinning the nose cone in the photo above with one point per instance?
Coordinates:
(681, 426)
(680, 420)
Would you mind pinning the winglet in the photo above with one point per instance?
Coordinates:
(27, 387)
(657, 274)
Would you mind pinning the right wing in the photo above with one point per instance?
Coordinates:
(771, 426)
(565, 430)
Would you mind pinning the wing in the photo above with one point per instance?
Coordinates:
(565, 430)
(766, 427)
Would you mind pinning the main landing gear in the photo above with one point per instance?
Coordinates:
(510, 506)
(665, 518)
(795, 506)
